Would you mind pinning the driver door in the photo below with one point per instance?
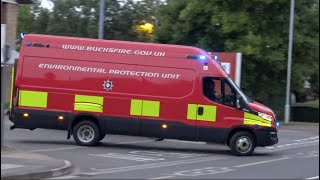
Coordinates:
(227, 112)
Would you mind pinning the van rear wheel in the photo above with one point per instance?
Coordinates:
(242, 143)
(86, 133)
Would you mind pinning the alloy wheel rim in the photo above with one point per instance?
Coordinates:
(243, 144)
(85, 133)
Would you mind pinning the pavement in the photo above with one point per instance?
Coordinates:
(16, 164)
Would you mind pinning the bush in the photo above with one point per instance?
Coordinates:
(306, 112)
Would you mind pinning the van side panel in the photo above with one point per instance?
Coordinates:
(127, 79)
(64, 79)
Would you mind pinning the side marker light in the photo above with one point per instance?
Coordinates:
(25, 115)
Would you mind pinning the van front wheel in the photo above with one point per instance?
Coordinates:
(86, 133)
(242, 143)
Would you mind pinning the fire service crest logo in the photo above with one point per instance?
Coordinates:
(107, 85)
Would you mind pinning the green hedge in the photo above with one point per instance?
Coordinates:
(306, 112)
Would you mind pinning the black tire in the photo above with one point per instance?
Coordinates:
(242, 143)
(86, 133)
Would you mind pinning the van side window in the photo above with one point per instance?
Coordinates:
(229, 95)
(212, 89)
(219, 90)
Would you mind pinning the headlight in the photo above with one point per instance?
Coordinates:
(265, 116)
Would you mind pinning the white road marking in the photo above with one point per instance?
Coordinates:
(315, 177)
(270, 147)
(216, 170)
(66, 164)
(135, 142)
(282, 149)
(190, 142)
(131, 157)
(10, 166)
(167, 154)
(65, 177)
(289, 146)
(202, 171)
(162, 177)
(149, 166)
(306, 139)
(56, 149)
(78, 147)
(261, 162)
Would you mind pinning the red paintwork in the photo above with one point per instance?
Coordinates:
(174, 94)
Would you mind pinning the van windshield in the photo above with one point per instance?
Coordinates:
(236, 87)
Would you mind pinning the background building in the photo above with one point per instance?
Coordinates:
(9, 14)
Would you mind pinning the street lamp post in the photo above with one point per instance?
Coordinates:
(156, 21)
(287, 106)
(101, 20)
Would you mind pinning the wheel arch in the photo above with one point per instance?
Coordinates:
(84, 116)
(236, 129)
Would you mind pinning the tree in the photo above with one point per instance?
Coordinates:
(27, 17)
(80, 18)
(258, 29)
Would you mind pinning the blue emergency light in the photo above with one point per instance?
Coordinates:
(21, 35)
(277, 123)
(202, 57)
(215, 58)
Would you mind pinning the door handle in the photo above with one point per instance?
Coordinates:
(200, 110)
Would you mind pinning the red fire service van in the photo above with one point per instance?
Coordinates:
(93, 87)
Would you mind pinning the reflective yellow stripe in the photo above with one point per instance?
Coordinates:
(255, 122)
(89, 99)
(209, 113)
(136, 107)
(145, 108)
(33, 99)
(11, 92)
(192, 111)
(88, 103)
(251, 119)
(88, 107)
(150, 108)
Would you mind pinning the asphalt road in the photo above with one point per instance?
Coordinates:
(296, 156)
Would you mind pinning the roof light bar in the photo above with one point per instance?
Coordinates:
(201, 57)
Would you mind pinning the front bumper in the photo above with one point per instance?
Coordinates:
(267, 137)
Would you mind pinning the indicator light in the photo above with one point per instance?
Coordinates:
(164, 126)
(60, 117)
(25, 115)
